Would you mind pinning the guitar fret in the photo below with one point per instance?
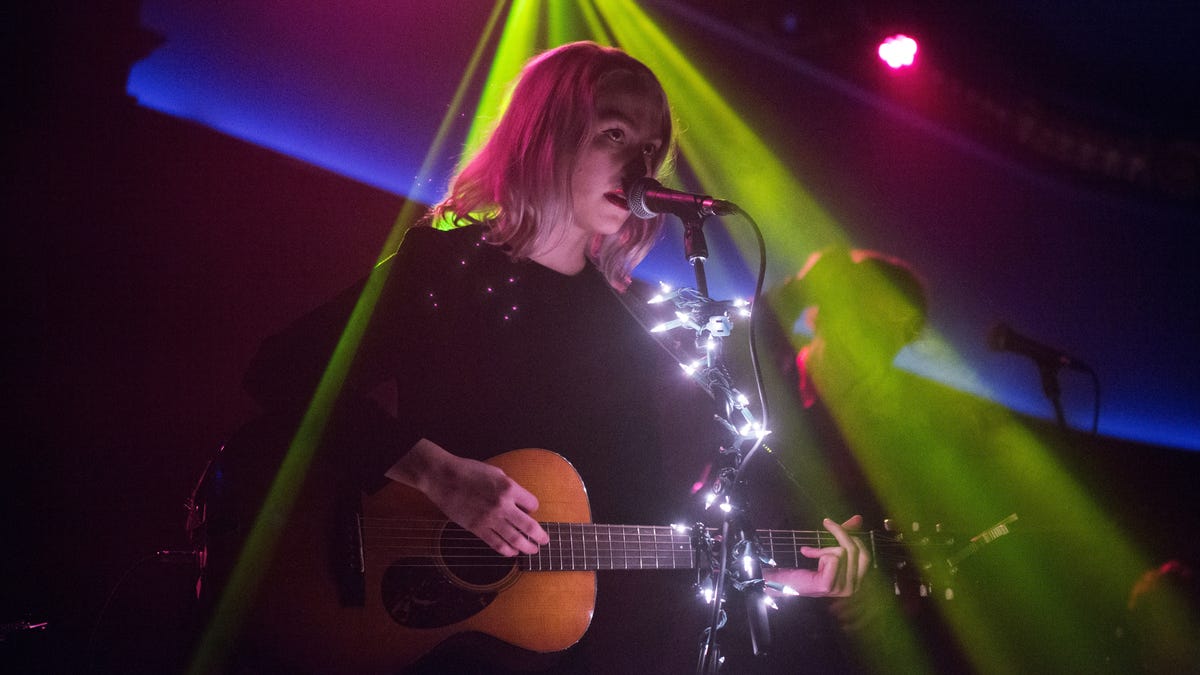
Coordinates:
(601, 545)
(545, 552)
(553, 547)
(542, 551)
(612, 547)
(590, 537)
(639, 548)
(595, 532)
(539, 554)
(579, 547)
(571, 536)
(564, 541)
(581, 564)
(556, 556)
(771, 541)
(558, 548)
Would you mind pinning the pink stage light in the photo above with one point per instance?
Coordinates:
(898, 51)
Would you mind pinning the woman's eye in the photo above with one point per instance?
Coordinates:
(649, 150)
(615, 134)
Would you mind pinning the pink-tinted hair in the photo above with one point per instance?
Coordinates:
(519, 183)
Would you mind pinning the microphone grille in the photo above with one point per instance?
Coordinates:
(635, 196)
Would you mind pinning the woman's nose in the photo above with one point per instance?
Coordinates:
(638, 167)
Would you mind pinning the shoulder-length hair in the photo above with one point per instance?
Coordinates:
(519, 182)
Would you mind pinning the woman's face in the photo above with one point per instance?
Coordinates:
(625, 138)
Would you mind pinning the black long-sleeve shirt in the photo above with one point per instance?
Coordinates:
(481, 354)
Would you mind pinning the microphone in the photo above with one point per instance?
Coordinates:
(647, 198)
(1004, 339)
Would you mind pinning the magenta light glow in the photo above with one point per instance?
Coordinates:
(898, 51)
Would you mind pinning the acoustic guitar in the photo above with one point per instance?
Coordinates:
(388, 578)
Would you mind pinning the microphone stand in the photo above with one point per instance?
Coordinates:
(710, 319)
(1052, 389)
(695, 249)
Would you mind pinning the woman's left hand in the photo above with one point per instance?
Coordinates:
(840, 569)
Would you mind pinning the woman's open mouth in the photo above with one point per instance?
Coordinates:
(617, 197)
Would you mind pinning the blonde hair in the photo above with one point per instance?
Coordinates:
(519, 183)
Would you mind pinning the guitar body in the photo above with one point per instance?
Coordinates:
(538, 611)
(352, 593)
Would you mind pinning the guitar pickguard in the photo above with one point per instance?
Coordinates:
(462, 582)
(418, 596)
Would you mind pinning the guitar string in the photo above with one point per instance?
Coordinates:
(766, 538)
(483, 556)
(595, 560)
(399, 530)
(469, 541)
(437, 524)
(593, 544)
(479, 545)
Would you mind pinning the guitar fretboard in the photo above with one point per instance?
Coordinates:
(584, 546)
(587, 546)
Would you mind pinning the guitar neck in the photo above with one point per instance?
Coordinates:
(588, 546)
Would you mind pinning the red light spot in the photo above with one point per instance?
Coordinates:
(898, 51)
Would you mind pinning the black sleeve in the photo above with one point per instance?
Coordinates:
(330, 361)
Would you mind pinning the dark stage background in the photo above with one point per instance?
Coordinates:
(148, 257)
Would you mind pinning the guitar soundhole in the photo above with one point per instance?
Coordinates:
(470, 562)
(464, 579)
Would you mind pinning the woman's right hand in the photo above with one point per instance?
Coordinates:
(478, 496)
